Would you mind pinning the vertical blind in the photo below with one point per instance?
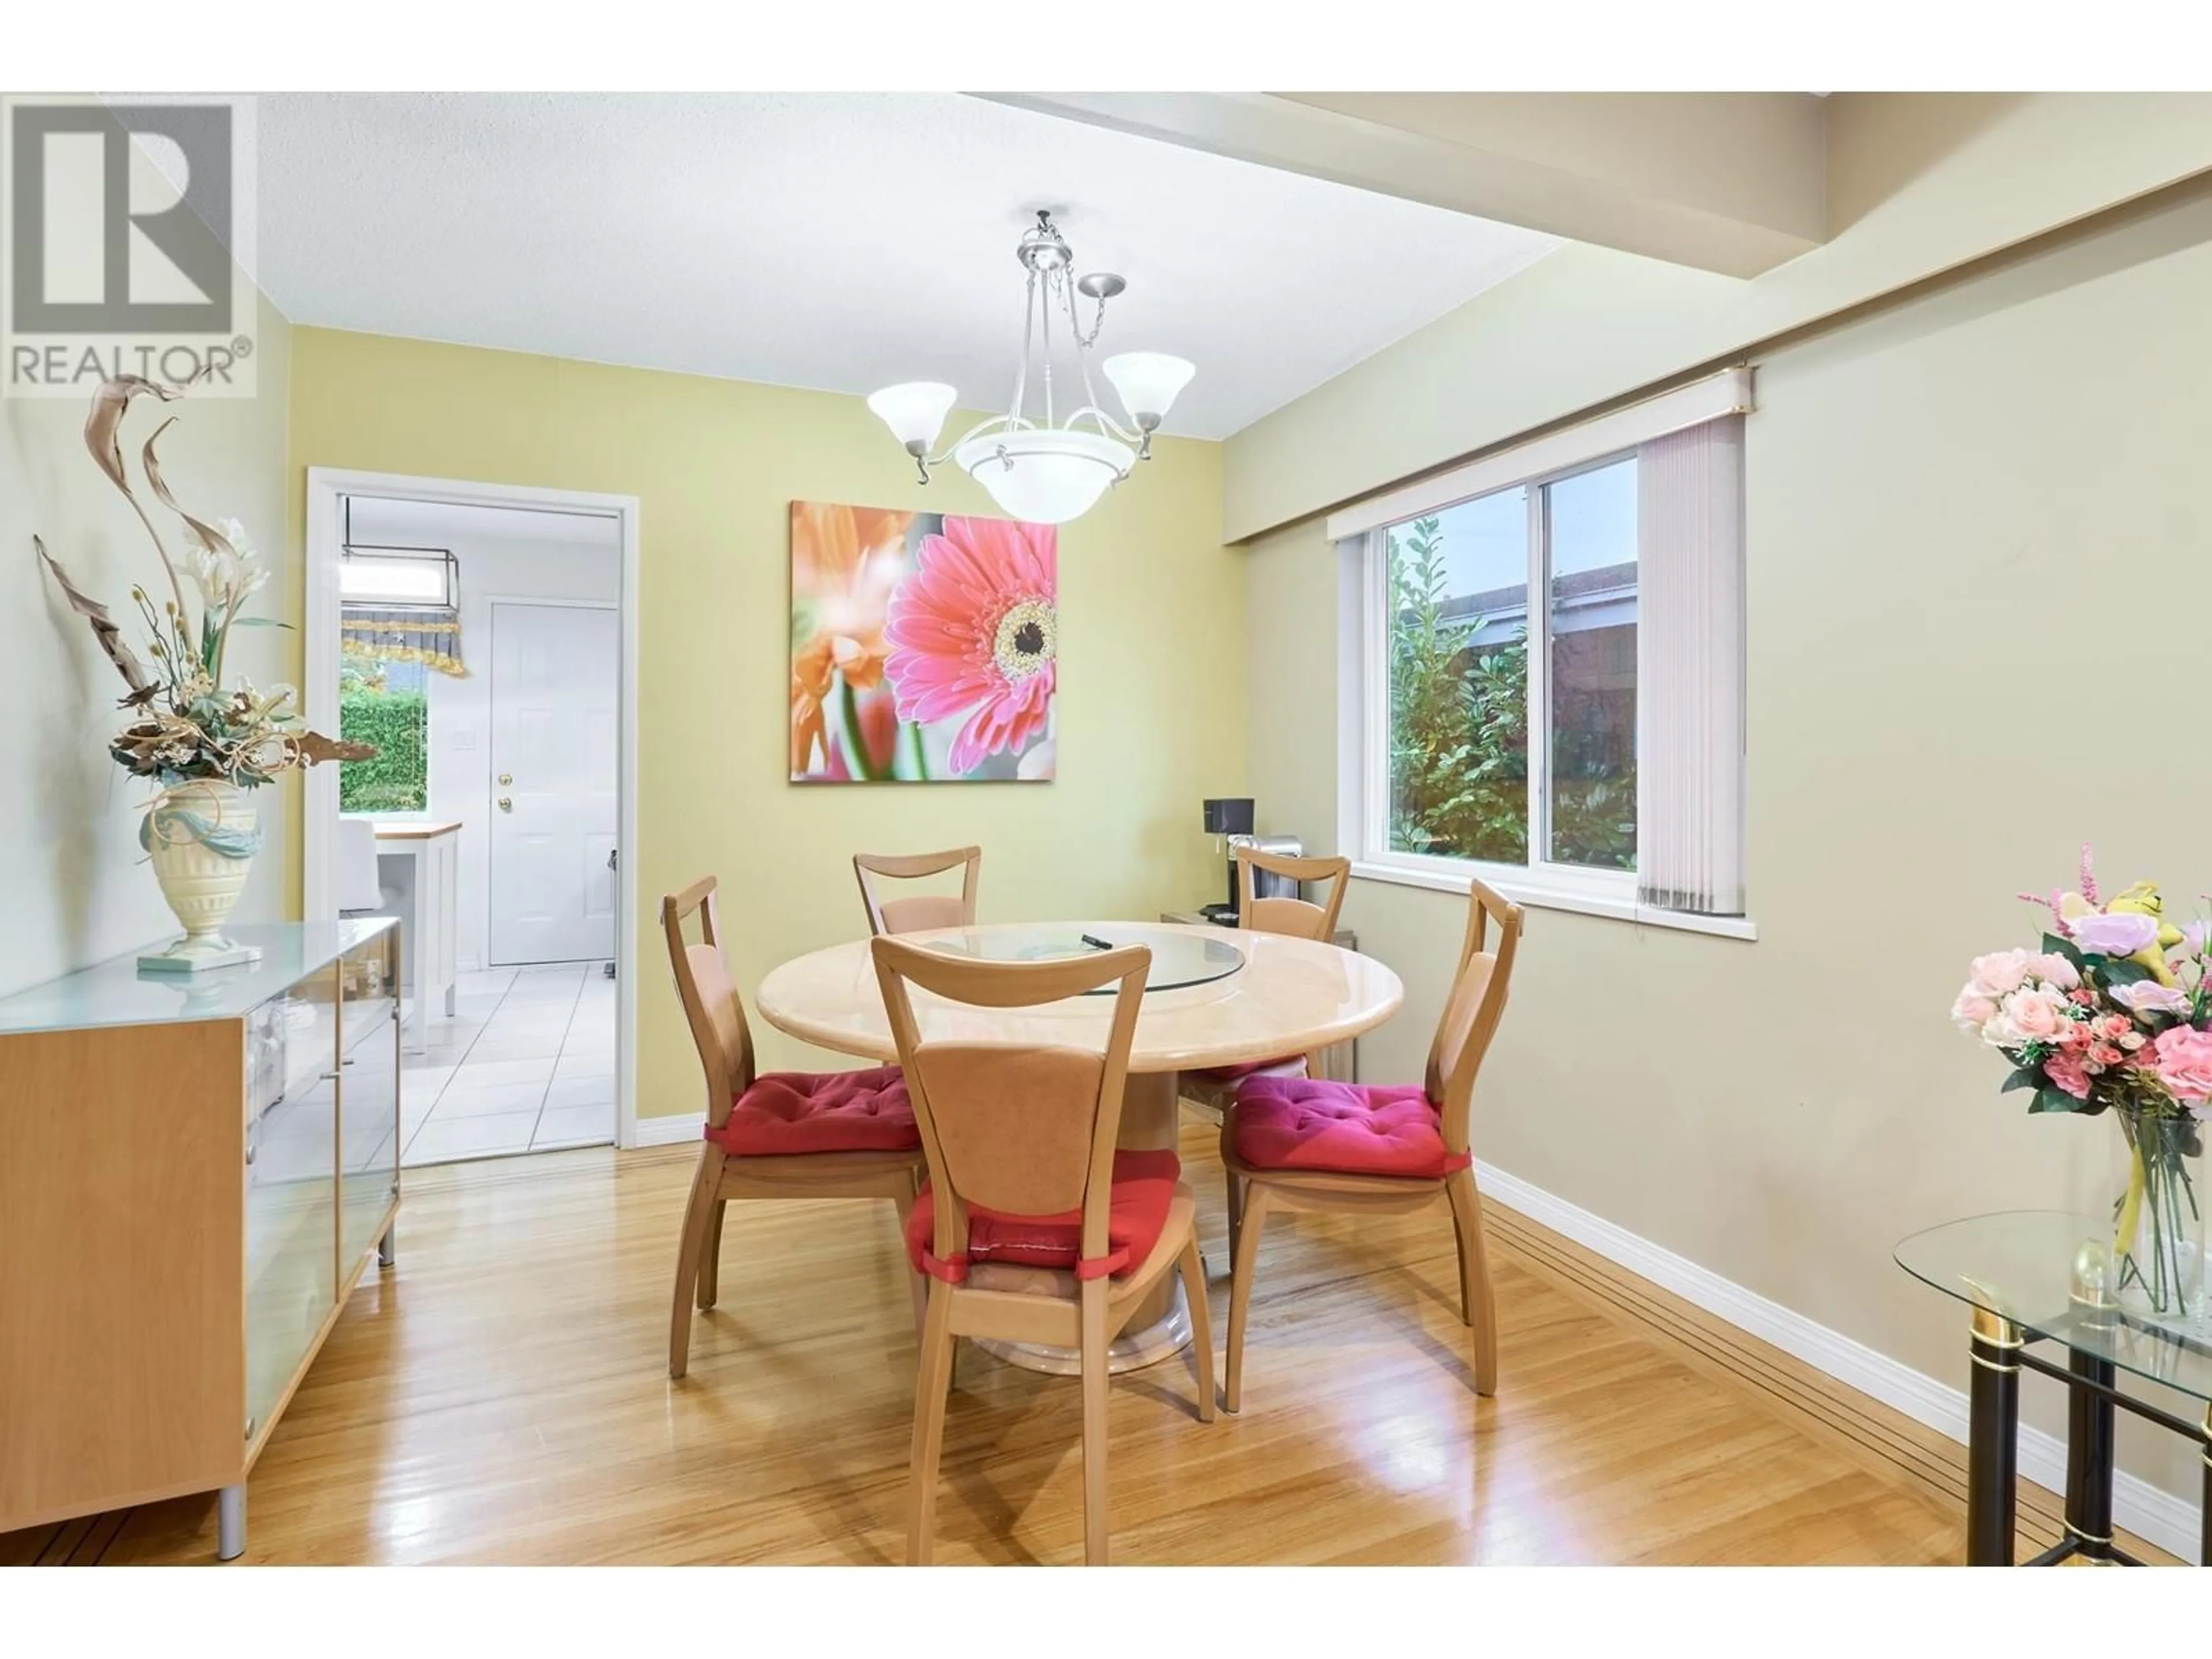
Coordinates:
(1690, 740)
(1688, 444)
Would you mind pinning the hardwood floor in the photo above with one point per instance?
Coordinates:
(500, 1396)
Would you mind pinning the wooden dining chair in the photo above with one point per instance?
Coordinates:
(781, 1135)
(911, 915)
(1033, 1228)
(1302, 1144)
(1214, 1087)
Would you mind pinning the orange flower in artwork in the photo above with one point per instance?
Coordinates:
(845, 562)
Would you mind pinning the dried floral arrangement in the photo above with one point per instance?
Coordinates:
(187, 726)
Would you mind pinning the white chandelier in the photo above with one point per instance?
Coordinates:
(1047, 473)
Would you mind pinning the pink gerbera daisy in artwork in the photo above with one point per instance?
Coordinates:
(974, 631)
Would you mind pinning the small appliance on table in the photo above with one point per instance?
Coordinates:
(1228, 819)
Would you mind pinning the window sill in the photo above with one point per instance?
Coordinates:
(1539, 896)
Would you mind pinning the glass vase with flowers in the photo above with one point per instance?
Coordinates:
(2113, 1013)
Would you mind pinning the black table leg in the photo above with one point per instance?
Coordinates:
(2089, 1437)
(2204, 1549)
(1993, 1440)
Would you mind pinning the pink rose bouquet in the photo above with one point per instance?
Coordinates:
(2114, 1011)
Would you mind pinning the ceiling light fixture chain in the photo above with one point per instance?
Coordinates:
(1044, 342)
(1097, 321)
(1053, 472)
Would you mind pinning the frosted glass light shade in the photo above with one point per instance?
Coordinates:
(1044, 475)
(915, 411)
(1147, 382)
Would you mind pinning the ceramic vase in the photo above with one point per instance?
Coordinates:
(202, 838)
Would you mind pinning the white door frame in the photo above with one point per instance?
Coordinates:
(492, 603)
(326, 488)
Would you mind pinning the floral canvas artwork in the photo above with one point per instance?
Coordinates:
(924, 646)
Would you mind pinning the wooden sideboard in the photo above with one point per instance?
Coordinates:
(194, 1173)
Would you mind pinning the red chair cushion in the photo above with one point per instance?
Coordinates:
(1244, 1069)
(1346, 1128)
(787, 1112)
(1144, 1185)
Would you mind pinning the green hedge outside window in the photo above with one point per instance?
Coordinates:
(398, 724)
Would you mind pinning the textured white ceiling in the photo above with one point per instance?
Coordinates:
(840, 241)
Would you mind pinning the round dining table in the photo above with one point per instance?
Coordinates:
(1214, 996)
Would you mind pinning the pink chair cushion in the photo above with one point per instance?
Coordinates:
(1144, 1185)
(787, 1112)
(1346, 1128)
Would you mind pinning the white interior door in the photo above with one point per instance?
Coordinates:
(555, 682)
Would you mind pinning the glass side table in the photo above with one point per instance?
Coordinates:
(2017, 1272)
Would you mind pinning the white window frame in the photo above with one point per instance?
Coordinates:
(1360, 533)
(1611, 892)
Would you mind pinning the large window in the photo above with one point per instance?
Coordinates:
(1552, 674)
(1589, 545)
(1473, 673)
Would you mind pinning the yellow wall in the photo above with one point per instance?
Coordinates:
(74, 887)
(1948, 507)
(1151, 630)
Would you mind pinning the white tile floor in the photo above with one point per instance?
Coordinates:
(526, 1064)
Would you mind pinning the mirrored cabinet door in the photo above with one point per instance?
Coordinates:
(368, 1100)
(291, 1187)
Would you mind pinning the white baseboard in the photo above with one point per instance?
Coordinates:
(2170, 1522)
(667, 1131)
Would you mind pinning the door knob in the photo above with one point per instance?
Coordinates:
(505, 778)
(505, 805)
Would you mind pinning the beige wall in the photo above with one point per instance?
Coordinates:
(1152, 697)
(1918, 184)
(1980, 547)
(1290, 599)
(74, 887)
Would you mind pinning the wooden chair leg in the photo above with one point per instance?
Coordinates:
(902, 1197)
(931, 1377)
(1478, 1306)
(1192, 1266)
(1236, 1211)
(698, 1215)
(1240, 1290)
(710, 1258)
(1094, 1422)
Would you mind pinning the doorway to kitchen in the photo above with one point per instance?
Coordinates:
(483, 638)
